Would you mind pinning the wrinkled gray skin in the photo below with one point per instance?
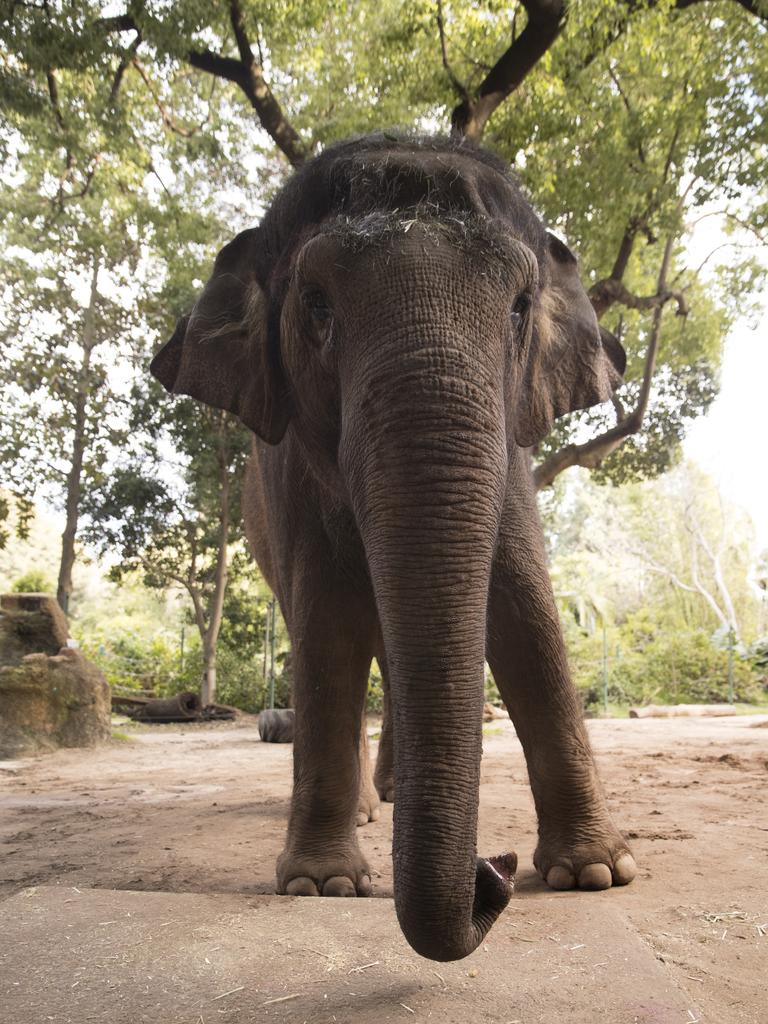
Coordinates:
(397, 331)
(276, 725)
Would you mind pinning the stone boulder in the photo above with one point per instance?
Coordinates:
(52, 696)
(30, 624)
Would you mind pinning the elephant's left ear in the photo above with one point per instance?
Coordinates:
(573, 363)
(222, 353)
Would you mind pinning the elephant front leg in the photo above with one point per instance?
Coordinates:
(384, 776)
(368, 806)
(321, 855)
(579, 846)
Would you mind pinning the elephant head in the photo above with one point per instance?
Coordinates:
(403, 312)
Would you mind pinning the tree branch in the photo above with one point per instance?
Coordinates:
(459, 86)
(125, 61)
(607, 292)
(628, 108)
(260, 95)
(117, 23)
(632, 7)
(728, 617)
(167, 119)
(752, 6)
(247, 73)
(53, 94)
(546, 20)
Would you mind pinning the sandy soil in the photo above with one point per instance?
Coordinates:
(203, 809)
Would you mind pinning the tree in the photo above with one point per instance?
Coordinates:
(178, 529)
(672, 549)
(626, 120)
(60, 413)
(67, 217)
(708, 553)
(101, 219)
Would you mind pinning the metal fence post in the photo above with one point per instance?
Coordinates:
(731, 638)
(272, 653)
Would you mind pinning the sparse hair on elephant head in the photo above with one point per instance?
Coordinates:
(227, 351)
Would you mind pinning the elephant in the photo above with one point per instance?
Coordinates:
(276, 725)
(398, 331)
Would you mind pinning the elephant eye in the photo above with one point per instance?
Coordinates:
(318, 306)
(520, 309)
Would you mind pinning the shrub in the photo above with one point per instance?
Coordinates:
(680, 667)
(374, 703)
(34, 581)
(132, 661)
(758, 655)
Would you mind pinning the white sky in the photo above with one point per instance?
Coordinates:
(730, 443)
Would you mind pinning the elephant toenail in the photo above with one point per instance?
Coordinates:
(624, 870)
(559, 877)
(301, 887)
(595, 876)
(339, 885)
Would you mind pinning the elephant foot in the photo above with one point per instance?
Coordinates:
(368, 807)
(598, 859)
(314, 875)
(385, 787)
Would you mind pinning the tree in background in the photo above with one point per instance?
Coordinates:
(178, 528)
(665, 574)
(61, 410)
(96, 235)
(70, 238)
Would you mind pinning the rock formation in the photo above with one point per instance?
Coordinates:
(50, 694)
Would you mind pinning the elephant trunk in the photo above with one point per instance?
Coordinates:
(426, 465)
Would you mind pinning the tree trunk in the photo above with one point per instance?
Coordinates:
(208, 686)
(74, 476)
(210, 636)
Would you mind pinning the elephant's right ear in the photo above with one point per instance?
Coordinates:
(220, 353)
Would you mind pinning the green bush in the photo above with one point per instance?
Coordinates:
(375, 698)
(492, 694)
(669, 668)
(134, 662)
(758, 655)
(34, 581)
(240, 682)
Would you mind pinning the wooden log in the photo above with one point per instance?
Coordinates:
(119, 702)
(682, 711)
(135, 705)
(183, 707)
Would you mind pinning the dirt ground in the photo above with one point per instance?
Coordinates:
(202, 809)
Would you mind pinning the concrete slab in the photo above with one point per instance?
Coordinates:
(74, 956)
